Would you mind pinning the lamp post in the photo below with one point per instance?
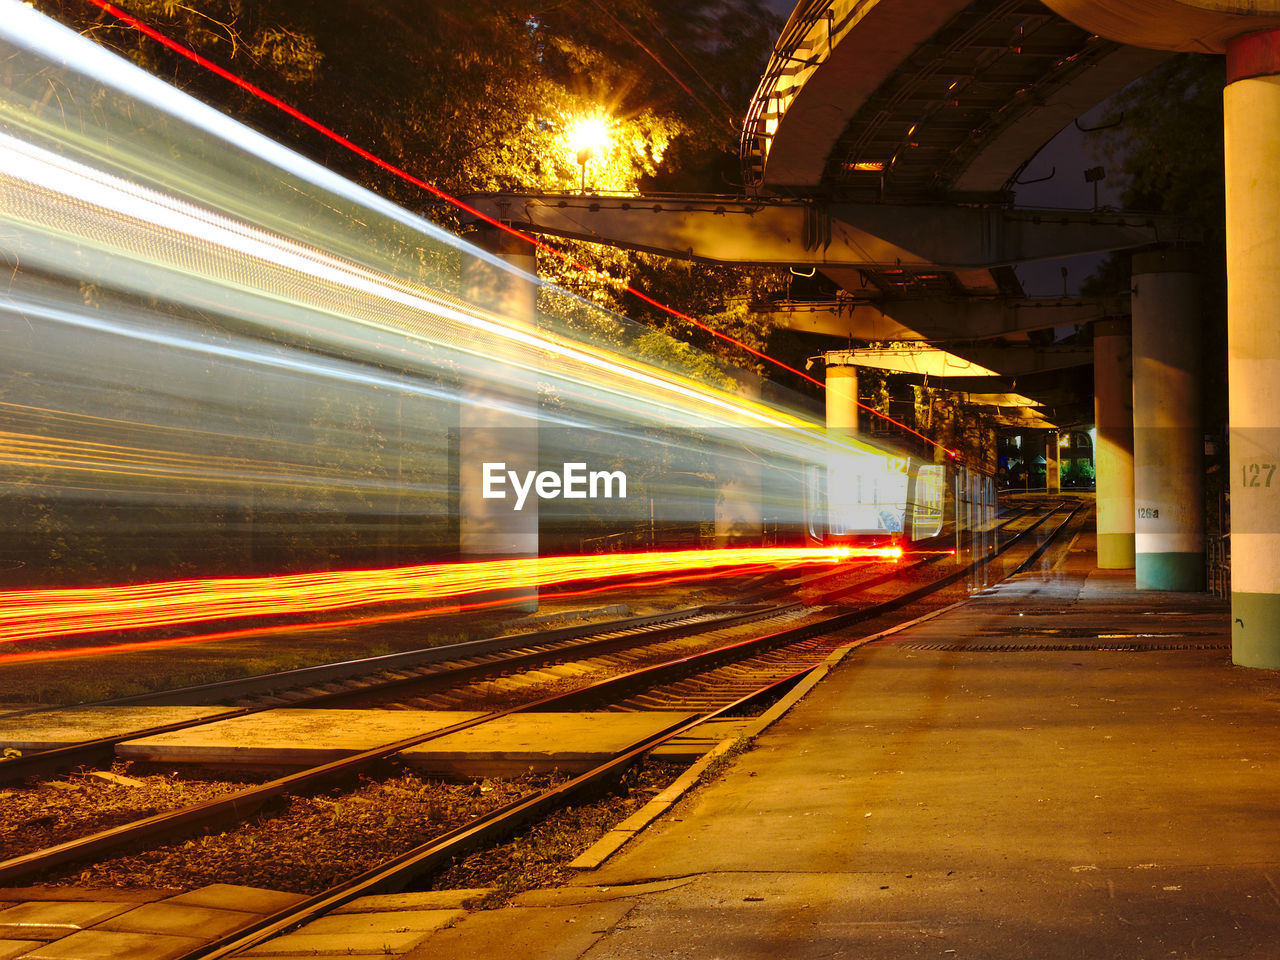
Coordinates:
(584, 155)
(589, 137)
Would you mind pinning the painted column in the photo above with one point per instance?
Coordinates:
(1052, 463)
(1168, 442)
(489, 430)
(1252, 130)
(1113, 445)
(842, 398)
(842, 420)
(739, 514)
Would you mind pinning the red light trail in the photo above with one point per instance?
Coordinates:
(280, 630)
(27, 615)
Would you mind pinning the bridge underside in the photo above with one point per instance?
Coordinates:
(881, 151)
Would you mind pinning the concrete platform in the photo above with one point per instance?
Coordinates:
(976, 787)
(49, 729)
(514, 745)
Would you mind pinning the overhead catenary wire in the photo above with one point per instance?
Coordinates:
(659, 61)
(691, 65)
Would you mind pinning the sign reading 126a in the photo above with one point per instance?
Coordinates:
(1258, 474)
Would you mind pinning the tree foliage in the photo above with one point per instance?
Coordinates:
(1167, 144)
(480, 95)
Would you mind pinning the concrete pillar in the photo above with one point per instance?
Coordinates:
(1113, 445)
(491, 528)
(739, 513)
(1168, 442)
(842, 420)
(1052, 463)
(1252, 130)
(842, 398)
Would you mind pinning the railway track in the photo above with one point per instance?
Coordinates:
(736, 676)
(418, 674)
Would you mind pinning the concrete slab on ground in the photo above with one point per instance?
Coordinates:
(52, 919)
(109, 945)
(689, 746)
(987, 803)
(305, 944)
(426, 900)
(49, 729)
(289, 737)
(341, 926)
(231, 896)
(178, 919)
(538, 742)
(541, 933)
(68, 923)
(512, 745)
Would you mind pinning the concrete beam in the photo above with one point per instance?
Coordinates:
(1004, 401)
(969, 361)
(1022, 420)
(912, 237)
(1188, 26)
(810, 91)
(917, 359)
(1021, 359)
(952, 319)
(1049, 111)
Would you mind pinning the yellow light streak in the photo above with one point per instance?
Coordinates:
(41, 614)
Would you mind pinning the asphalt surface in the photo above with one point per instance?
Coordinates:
(1060, 768)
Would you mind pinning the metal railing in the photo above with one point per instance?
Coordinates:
(768, 103)
(1217, 565)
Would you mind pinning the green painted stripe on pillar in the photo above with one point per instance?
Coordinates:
(1115, 551)
(1255, 630)
(1169, 571)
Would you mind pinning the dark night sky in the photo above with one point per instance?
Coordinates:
(1069, 153)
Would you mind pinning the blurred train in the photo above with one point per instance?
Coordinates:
(895, 500)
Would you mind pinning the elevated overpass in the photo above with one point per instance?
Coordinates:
(881, 150)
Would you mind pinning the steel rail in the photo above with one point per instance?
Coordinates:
(490, 828)
(597, 636)
(875, 581)
(611, 633)
(627, 684)
(246, 801)
(496, 825)
(242, 803)
(1039, 551)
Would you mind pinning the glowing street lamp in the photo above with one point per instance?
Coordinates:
(589, 137)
